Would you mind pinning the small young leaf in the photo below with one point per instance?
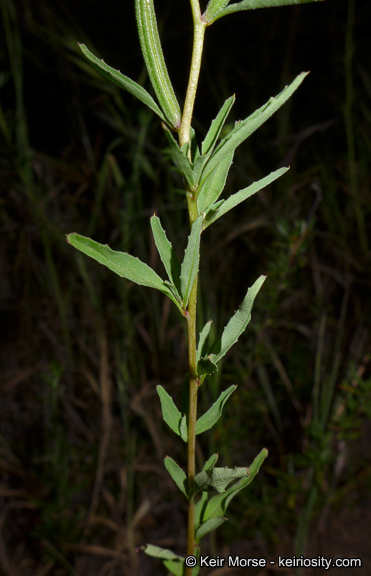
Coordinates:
(217, 124)
(177, 474)
(208, 526)
(207, 420)
(179, 157)
(184, 428)
(214, 184)
(202, 339)
(170, 412)
(226, 205)
(190, 264)
(121, 263)
(217, 478)
(253, 5)
(167, 253)
(210, 463)
(162, 553)
(236, 325)
(245, 128)
(217, 505)
(206, 366)
(122, 81)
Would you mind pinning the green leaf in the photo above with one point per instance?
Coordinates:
(162, 553)
(200, 508)
(202, 339)
(212, 9)
(245, 128)
(236, 325)
(226, 205)
(190, 264)
(184, 428)
(177, 474)
(207, 420)
(208, 526)
(167, 254)
(214, 184)
(217, 124)
(217, 478)
(122, 81)
(176, 567)
(206, 366)
(210, 463)
(195, 151)
(170, 412)
(217, 505)
(179, 157)
(121, 263)
(153, 56)
(253, 5)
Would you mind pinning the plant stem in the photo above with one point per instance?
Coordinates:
(192, 415)
(184, 137)
(198, 43)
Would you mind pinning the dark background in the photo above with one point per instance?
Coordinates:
(82, 441)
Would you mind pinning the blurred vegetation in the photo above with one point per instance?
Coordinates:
(81, 436)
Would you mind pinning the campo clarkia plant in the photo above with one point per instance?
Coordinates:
(204, 170)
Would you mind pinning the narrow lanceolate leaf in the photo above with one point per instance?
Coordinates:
(207, 420)
(217, 505)
(121, 263)
(170, 412)
(217, 478)
(245, 128)
(177, 474)
(214, 184)
(190, 264)
(208, 526)
(155, 62)
(216, 211)
(180, 157)
(122, 81)
(237, 323)
(167, 253)
(253, 5)
(217, 124)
